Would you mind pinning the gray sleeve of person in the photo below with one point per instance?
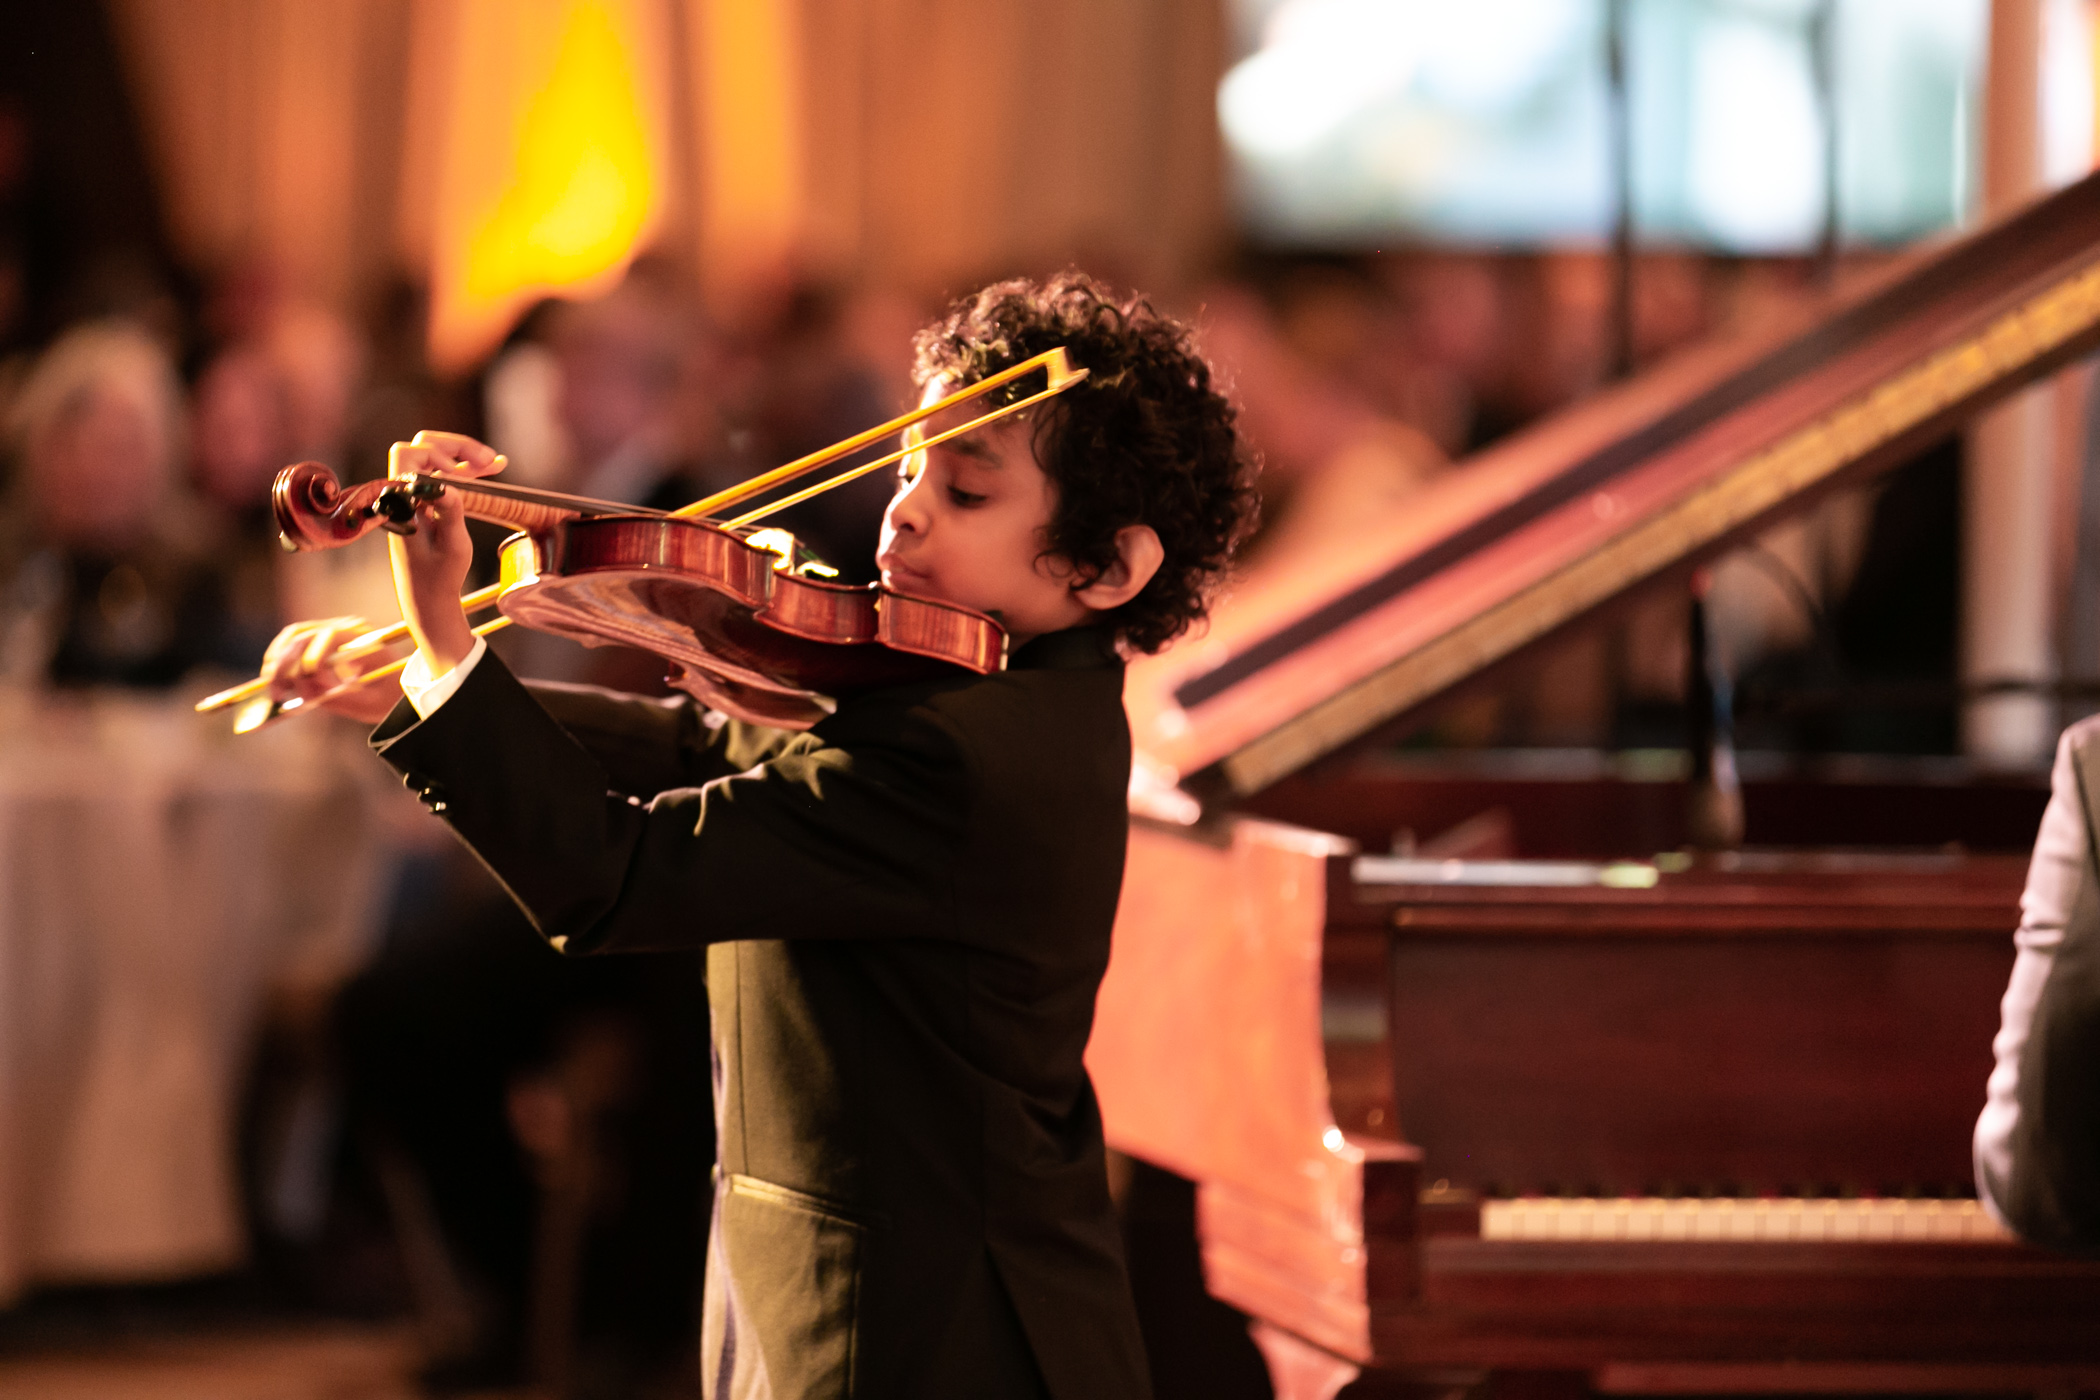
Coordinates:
(2037, 1142)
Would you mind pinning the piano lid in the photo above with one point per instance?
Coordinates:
(1637, 484)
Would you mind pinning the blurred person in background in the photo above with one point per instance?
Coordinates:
(242, 438)
(242, 435)
(295, 370)
(609, 401)
(521, 398)
(1452, 309)
(812, 376)
(1347, 322)
(1336, 471)
(279, 391)
(321, 362)
(398, 391)
(101, 580)
(620, 376)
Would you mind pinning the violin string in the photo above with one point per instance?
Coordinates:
(530, 495)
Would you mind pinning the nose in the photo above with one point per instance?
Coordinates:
(906, 511)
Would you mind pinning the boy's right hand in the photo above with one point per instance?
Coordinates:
(301, 664)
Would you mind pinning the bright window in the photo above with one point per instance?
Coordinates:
(1355, 122)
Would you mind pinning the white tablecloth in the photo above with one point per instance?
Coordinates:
(157, 877)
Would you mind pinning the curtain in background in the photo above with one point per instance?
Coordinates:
(919, 144)
(537, 155)
(954, 140)
(277, 127)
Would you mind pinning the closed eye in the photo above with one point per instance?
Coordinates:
(964, 499)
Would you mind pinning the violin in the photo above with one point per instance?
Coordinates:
(746, 618)
(749, 622)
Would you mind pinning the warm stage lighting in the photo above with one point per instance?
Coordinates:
(552, 158)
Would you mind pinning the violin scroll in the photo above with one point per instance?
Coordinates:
(315, 511)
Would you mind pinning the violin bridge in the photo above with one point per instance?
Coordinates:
(790, 555)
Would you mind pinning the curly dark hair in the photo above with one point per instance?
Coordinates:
(1146, 439)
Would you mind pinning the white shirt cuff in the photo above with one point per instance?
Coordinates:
(425, 692)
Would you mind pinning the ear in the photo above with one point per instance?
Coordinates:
(1138, 557)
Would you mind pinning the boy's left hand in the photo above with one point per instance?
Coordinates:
(430, 566)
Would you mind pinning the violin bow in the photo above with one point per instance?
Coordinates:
(1059, 376)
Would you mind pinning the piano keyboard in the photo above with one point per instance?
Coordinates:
(1749, 1220)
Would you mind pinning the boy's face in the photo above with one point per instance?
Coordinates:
(970, 522)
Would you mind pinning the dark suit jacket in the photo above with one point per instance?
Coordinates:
(907, 911)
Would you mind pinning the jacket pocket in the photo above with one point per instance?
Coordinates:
(796, 1263)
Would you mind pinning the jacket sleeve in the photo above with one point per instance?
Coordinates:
(649, 745)
(2049, 1190)
(851, 834)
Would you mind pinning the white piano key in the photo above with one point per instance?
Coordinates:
(1727, 1220)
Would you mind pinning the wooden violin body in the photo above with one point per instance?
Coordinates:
(745, 625)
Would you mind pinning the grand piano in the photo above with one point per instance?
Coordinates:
(1536, 1111)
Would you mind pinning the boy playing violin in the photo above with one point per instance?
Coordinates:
(907, 908)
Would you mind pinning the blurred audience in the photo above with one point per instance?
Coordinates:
(1335, 469)
(104, 579)
(1364, 382)
(819, 362)
(606, 398)
(242, 435)
(619, 368)
(521, 400)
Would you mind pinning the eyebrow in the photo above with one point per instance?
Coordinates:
(973, 449)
